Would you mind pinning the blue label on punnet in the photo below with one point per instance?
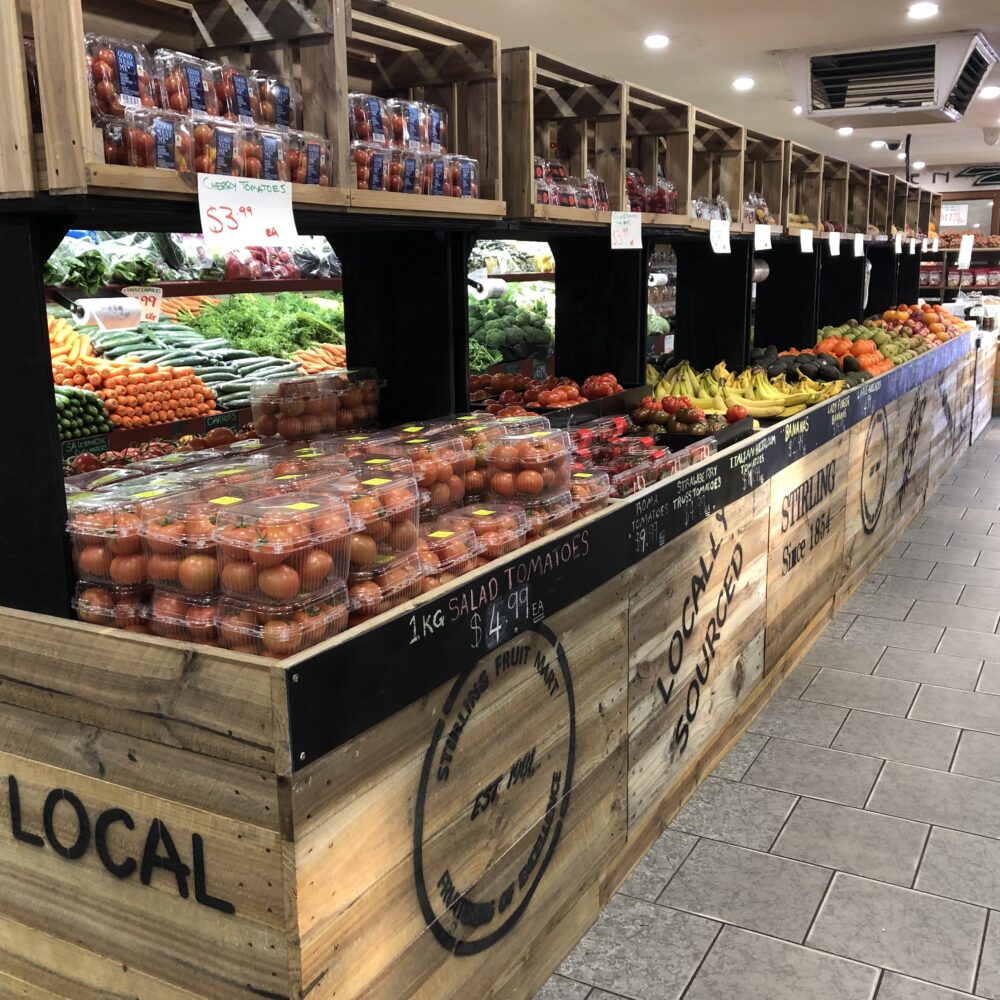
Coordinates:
(166, 140)
(376, 176)
(223, 152)
(313, 163)
(128, 78)
(375, 114)
(409, 175)
(413, 126)
(196, 88)
(270, 157)
(437, 178)
(241, 88)
(282, 95)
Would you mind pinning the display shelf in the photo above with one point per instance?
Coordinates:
(764, 174)
(879, 201)
(834, 197)
(263, 286)
(803, 185)
(717, 162)
(659, 134)
(859, 182)
(126, 438)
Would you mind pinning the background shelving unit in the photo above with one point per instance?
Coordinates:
(803, 186)
(834, 200)
(880, 201)
(764, 174)
(859, 185)
(717, 164)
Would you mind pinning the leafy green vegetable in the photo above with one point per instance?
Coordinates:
(656, 324)
(274, 325)
(481, 358)
(512, 321)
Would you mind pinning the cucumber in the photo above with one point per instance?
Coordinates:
(233, 353)
(235, 402)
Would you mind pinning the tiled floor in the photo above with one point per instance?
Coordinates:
(848, 847)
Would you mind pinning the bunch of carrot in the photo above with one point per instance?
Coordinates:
(173, 306)
(146, 394)
(321, 358)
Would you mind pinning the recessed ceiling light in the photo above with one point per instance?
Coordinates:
(878, 143)
(797, 110)
(742, 83)
(845, 130)
(977, 225)
(901, 156)
(918, 165)
(922, 11)
(657, 41)
(989, 93)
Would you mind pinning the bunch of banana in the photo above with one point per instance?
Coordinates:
(777, 400)
(703, 390)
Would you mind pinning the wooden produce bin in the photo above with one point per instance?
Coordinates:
(834, 200)
(17, 158)
(659, 132)
(555, 111)
(438, 804)
(880, 202)
(804, 187)
(935, 210)
(859, 181)
(717, 165)
(764, 174)
(900, 192)
(913, 208)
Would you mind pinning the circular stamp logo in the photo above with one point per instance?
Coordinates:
(494, 791)
(874, 471)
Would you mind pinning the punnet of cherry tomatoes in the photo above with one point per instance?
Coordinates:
(509, 395)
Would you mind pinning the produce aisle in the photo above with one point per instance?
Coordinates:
(847, 846)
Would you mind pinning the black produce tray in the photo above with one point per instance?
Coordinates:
(730, 434)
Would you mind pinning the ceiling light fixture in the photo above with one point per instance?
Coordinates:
(878, 143)
(742, 83)
(797, 110)
(657, 41)
(901, 156)
(989, 93)
(922, 11)
(918, 165)
(845, 130)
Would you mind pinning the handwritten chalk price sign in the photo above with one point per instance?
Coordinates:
(240, 211)
(149, 297)
(626, 231)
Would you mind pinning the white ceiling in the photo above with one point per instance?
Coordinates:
(714, 41)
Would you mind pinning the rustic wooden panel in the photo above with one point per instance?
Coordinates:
(806, 542)
(17, 174)
(181, 894)
(517, 74)
(176, 694)
(986, 359)
(240, 22)
(359, 813)
(949, 412)
(696, 614)
(323, 61)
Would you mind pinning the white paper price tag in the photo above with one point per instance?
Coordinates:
(899, 242)
(626, 231)
(834, 241)
(761, 236)
(913, 246)
(923, 246)
(859, 244)
(806, 240)
(934, 245)
(718, 235)
(149, 297)
(965, 251)
(240, 212)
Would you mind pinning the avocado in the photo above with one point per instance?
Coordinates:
(827, 374)
(756, 353)
(776, 368)
(827, 359)
(809, 369)
(851, 363)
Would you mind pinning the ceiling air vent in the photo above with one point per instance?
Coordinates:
(933, 80)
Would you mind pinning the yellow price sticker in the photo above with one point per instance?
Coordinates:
(226, 501)
(441, 534)
(375, 482)
(413, 429)
(377, 461)
(583, 475)
(290, 475)
(147, 495)
(301, 505)
(483, 513)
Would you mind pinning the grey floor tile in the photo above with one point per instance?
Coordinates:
(897, 550)
(963, 642)
(747, 966)
(843, 655)
(976, 575)
(988, 983)
(922, 590)
(914, 569)
(961, 866)
(929, 668)
(989, 679)
(938, 797)
(654, 871)
(978, 755)
(734, 765)
(964, 709)
(872, 694)
(901, 930)
(945, 490)
(797, 681)
(879, 606)
(949, 503)
(871, 583)
(814, 771)
(929, 536)
(990, 559)
(954, 616)
(561, 988)
(943, 554)
(755, 891)
(904, 635)
(853, 840)
(838, 625)
(897, 987)
(802, 721)
(981, 542)
(981, 597)
(905, 740)
(639, 949)
(735, 813)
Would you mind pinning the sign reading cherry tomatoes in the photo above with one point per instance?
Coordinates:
(240, 211)
(149, 298)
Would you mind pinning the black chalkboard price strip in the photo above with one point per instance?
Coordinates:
(339, 692)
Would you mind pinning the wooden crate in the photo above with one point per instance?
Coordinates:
(880, 201)
(17, 162)
(764, 174)
(659, 131)
(804, 187)
(900, 199)
(935, 210)
(913, 207)
(717, 164)
(924, 212)
(555, 111)
(859, 182)
(834, 203)
(284, 37)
